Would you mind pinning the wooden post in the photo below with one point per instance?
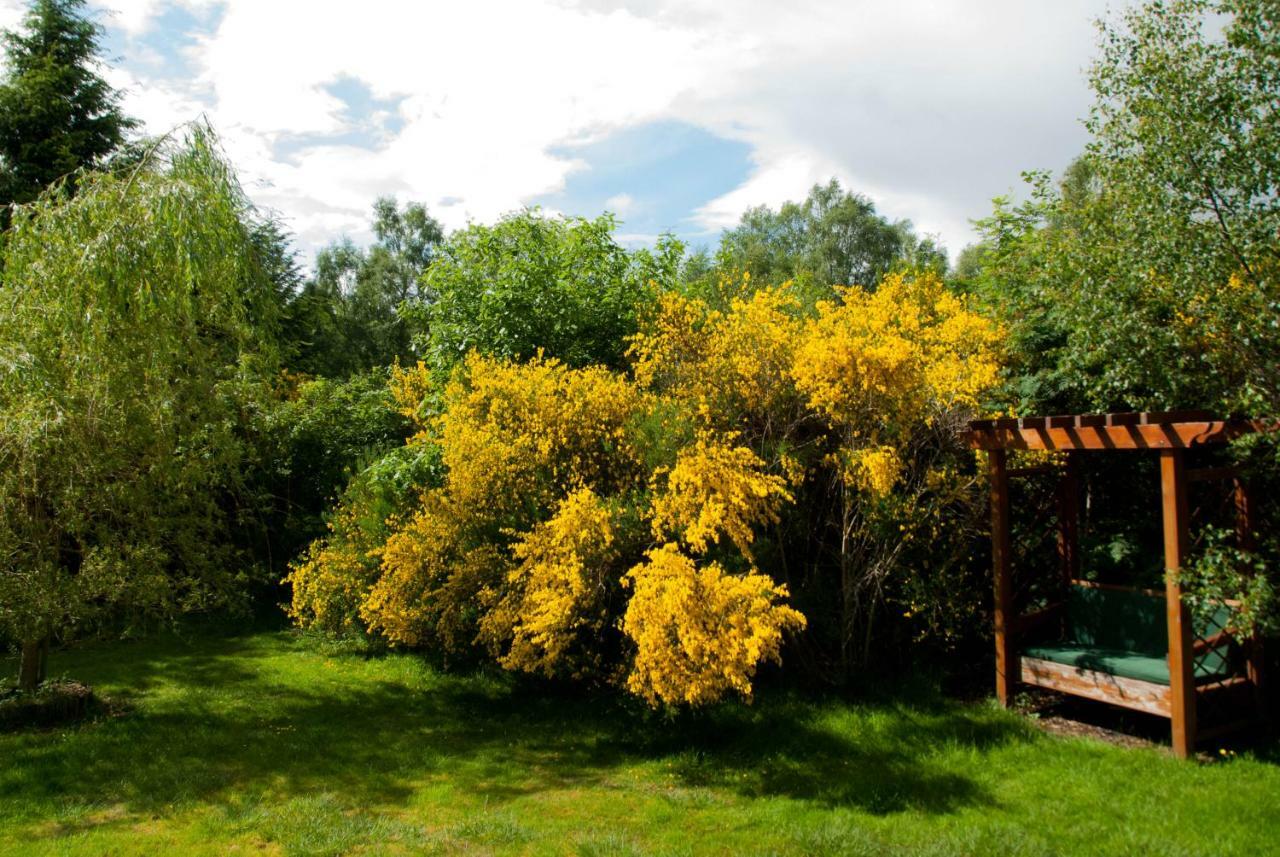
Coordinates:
(1069, 520)
(1006, 657)
(1245, 541)
(1244, 514)
(1182, 690)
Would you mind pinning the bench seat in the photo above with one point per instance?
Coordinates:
(1136, 665)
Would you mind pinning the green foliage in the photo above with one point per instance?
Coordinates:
(131, 330)
(833, 238)
(1150, 278)
(57, 114)
(347, 318)
(1225, 572)
(307, 441)
(531, 283)
(1047, 270)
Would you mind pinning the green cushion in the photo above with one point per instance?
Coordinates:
(1114, 619)
(1125, 633)
(1121, 663)
(1132, 621)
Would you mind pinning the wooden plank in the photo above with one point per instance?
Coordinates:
(1126, 692)
(1117, 437)
(1006, 657)
(1182, 696)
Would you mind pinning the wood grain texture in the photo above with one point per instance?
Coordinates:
(1006, 657)
(1127, 692)
(1117, 437)
(1182, 694)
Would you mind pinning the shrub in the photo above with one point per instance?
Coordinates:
(633, 530)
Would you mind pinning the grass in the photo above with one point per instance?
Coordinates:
(278, 743)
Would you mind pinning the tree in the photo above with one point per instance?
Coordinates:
(1187, 141)
(833, 238)
(530, 283)
(1150, 278)
(57, 114)
(347, 319)
(130, 333)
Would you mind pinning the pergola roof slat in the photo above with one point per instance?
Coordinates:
(1120, 431)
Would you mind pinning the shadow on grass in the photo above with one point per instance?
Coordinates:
(217, 722)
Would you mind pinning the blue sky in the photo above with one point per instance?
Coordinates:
(676, 115)
(652, 177)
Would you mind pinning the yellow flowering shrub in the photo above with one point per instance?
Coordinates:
(895, 357)
(590, 524)
(875, 470)
(515, 438)
(554, 603)
(333, 577)
(410, 387)
(431, 573)
(700, 633)
(715, 489)
(728, 363)
(672, 339)
(519, 433)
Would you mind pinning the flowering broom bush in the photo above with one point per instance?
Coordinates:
(638, 529)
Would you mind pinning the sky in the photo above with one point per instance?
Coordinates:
(676, 115)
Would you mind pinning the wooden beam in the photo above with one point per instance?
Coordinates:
(1126, 692)
(1182, 694)
(1069, 519)
(1138, 435)
(1092, 420)
(1006, 657)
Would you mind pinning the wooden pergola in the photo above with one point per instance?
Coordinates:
(1171, 436)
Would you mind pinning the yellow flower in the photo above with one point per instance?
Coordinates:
(716, 489)
(700, 633)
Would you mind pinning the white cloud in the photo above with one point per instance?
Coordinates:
(930, 107)
(137, 16)
(620, 204)
(11, 12)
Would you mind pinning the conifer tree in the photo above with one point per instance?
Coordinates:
(57, 113)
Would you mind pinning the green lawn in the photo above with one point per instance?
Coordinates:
(275, 743)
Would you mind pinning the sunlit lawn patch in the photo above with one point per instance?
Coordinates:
(279, 742)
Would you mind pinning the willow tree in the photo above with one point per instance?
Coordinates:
(131, 315)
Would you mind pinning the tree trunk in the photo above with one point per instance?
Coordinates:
(35, 658)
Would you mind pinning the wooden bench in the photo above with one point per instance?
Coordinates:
(1111, 643)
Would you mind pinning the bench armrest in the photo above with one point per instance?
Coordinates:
(1214, 641)
(1030, 621)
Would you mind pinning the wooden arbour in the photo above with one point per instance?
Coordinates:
(1170, 435)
